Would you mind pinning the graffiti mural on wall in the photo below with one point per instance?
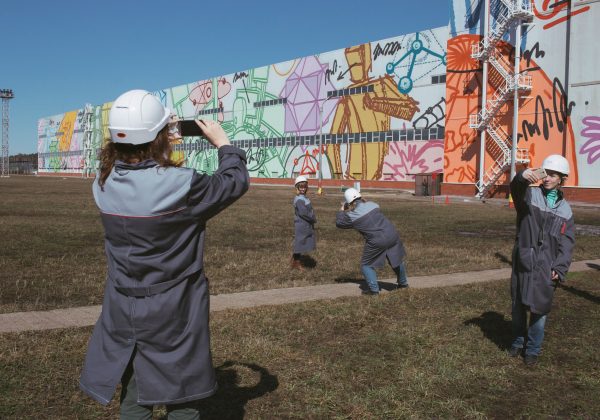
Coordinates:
(545, 126)
(418, 50)
(463, 82)
(591, 136)
(366, 112)
(406, 159)
(550, 114)
(60, 139)
(555, 11)
(340, 113)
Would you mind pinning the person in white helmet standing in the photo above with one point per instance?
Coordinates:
(153, 333)
(542, 252)
(304, 223)
(382, 240)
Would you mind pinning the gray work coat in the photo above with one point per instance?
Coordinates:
(156, 299)
(544, 242)
(304, 221)
(381, 238)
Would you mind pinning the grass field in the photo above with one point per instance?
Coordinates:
(52, 253)
(428, 353)
(418, 353)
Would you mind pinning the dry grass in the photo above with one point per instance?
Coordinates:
(52, 253)
(437, 353)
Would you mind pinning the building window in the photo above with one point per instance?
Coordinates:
(210, 111)
(350, 91)
(441, 78)
(271, 102)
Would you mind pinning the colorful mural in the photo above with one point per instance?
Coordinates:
(550, 115)
(60, 145)
(343, 114)
(386, 110)
(61, 139)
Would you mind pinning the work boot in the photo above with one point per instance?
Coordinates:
(531, 360)
(369, 293)
(296, 264)
(514, 351)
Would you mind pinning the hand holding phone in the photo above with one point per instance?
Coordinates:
(534, 175)
(213, 132)
(540, 173)
(189, 128)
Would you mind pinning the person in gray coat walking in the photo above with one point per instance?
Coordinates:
(304, 223)
(542, 252)
(382, 240)
(153, 332)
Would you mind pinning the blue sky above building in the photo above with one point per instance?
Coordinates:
(60, 55)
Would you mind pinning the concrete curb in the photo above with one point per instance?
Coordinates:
(87, 315)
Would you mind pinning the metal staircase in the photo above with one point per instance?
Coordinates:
(511, 11)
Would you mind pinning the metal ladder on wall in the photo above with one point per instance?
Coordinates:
(500, 148)
(89, 158)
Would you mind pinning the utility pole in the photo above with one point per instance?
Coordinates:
(6, 95)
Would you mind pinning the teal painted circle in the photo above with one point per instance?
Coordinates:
(405, 84)
(416, 45)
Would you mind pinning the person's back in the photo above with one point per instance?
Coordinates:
(153, 334)
(368, 219)
(154, 218)
(382, 241)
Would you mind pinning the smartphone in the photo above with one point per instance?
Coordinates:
(189, 128)
(540, 173)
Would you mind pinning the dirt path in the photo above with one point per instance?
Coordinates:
(87, 315)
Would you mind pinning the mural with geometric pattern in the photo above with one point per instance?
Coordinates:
(379, 108)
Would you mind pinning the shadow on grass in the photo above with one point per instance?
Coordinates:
(230, 400)
(503, 258)
(307, 261)
(594, 266)
(582, 293)
(494, 327)
(363, 284)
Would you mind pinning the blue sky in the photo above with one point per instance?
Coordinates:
(58, 55)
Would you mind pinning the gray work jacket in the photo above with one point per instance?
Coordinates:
(381, 238)
(156, 299)
(304, 221)
(544, 242)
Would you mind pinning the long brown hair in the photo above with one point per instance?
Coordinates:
(158, 149)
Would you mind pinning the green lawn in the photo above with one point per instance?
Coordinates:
(418, 353)
(52, 254)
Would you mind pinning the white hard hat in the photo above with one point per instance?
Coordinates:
(136, 117)
(351, 194)
(556, 163)
(299, 179)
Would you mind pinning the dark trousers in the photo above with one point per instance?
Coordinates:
(130, 410)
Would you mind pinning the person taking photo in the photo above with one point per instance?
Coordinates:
(382, 240)
(153, 333)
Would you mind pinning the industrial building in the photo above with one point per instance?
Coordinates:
(441, 105)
